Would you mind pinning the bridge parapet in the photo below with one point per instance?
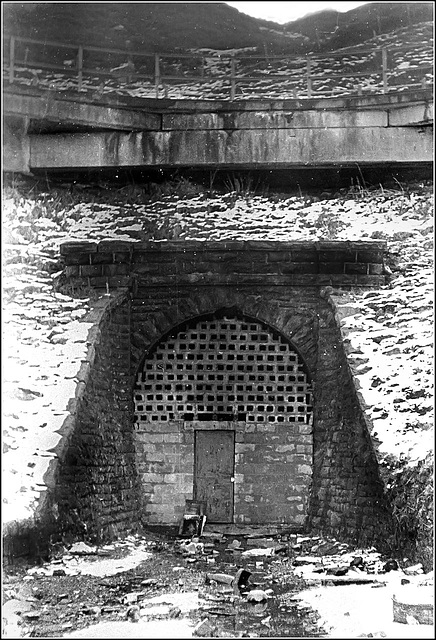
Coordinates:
(52, 131)
(224, 75)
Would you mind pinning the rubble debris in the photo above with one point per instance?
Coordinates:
(241, 579)
(31, 615)
(261, 542)
(300, 560)
(413, 605)
(133, 613)
(204, 629)
(193, 520)
(82, 549)
(235, 545)
(390, 565)
(191, 525)
(257, 595)
(416, 569)
(357, 562)
(222, 578)
(338, 570)
(149, 582)
(269, 551)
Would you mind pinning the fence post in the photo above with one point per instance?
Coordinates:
(308, 77)
(232, 78)
(11, 59)
(385, 69)
(80, 68)
(156, 74)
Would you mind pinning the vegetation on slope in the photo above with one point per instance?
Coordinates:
(166, 26)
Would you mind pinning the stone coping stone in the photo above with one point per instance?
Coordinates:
(198, 245)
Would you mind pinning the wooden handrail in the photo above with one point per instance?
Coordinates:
(233, 77)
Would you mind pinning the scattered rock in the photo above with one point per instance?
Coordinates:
(82, 549)
(222, 578)
(261, 542)
(241, 579)
(390, 565)
(415, 570)
(204, 629)
(31, 615)
(357, 562)
(338, 570)
(300, 560)
(257, 595)
(411, 602)
(258, 552)
(235, 544)
(133, 613)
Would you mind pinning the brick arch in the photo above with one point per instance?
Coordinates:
(299, 328)
(235, 348)
(267, 445)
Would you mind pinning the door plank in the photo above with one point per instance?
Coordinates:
(214, 466)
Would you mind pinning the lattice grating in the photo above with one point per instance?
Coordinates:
(223, 369)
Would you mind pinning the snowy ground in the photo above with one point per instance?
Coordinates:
(388, 332)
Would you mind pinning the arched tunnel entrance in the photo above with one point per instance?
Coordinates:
(223, 412)
(219, 375)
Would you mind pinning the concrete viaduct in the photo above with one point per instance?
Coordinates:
(61, 131)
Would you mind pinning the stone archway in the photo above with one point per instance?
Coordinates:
(223, 410)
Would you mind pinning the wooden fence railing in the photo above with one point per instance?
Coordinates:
(158, 68)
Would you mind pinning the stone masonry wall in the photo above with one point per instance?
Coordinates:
(280, 286)
(97, 488)
(347, 496)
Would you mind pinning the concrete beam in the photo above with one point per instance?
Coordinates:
(244, 148)
(412, 115)
(51, 109)
(308, 119)
(16, 145)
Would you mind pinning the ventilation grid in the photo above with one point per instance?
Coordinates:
(223, 369)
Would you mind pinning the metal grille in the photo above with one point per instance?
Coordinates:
(223, 369)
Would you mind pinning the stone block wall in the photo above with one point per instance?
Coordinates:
(348, 494)
(111, 264)
(273, 470)
(273, 473)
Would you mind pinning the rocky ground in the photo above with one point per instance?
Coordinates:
(230, 582)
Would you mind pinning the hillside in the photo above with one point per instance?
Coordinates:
(330, 30)
(169, 26)
(147, 26)
(388, 332)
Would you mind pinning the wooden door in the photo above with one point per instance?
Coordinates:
(214, 467)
